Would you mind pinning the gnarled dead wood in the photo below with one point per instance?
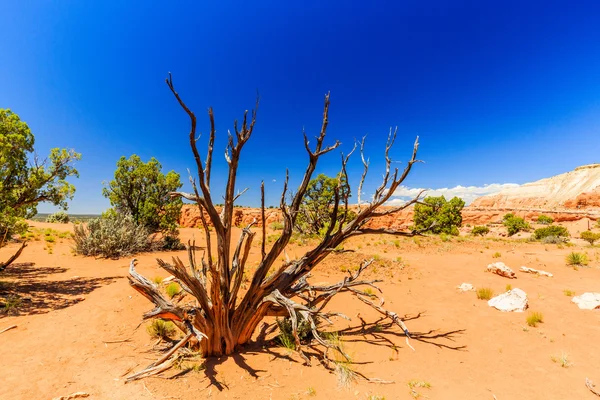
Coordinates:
(222, 315)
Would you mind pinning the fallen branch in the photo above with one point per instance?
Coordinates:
(8, 329)
(590, 385)
(76, 395)
(162, 364)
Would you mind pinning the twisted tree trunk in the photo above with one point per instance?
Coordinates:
(221, 317)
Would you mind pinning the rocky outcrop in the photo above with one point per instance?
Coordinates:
(512, 301)
(566, 197)
(242, 216)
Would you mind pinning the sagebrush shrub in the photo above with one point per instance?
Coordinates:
(480, 230)
(514, 224)
(553, 230)
(112, 236)
(590, 237)
(59, 217)
(545, 220)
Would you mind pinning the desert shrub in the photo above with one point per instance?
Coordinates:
(112, 236)
(484, 293)
(514, 224)
(534, 318)
(277, 226)
(480, 230)
(314, 214)
(161, 329)
(545, 220)
(569, 293)
(590, 237)
(496, 255)
(25, 184)
(446, 214)
(142, 190)
(172, 289)
(286, 337)
(59, 217)
(575, 258)
(553, 230)
(170, 242)
(553, 240)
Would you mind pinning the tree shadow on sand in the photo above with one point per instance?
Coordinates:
(38, 295)
(377, 333)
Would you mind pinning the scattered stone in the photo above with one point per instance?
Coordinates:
(465, 287)
(536, 271)
(501, 269)
(587, 301)
(514, 300)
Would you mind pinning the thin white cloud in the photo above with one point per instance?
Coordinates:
(467, 193)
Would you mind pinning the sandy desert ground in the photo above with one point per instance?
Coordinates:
(79, 328)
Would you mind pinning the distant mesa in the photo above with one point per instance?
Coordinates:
(571, 196)
(566, 197)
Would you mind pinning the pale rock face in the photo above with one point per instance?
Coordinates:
(514, 300)
(465, 287)
(587, 301)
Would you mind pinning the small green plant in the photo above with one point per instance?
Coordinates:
(445, 237)
(515, 224)
(590, 237)
(562, 360)
(172, 289)
(161, 329)
(534, 318)
(569, 293)
(157, 279)
(548, 231)
(311, 392)
(496, 255)
(577, 259)
(480, 231)
(545, 220)
(508, 287)
(50, 239)
(277, 226)
(11, 305)
(414, 385)
(59, 217)
(484, 293)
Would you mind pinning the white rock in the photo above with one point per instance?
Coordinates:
(501, 269)
(587, 301)
(513, 300)
(536, 271)
(465, 287)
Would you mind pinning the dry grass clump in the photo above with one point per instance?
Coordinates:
(161, 329)
(562, 360)
(172, 289)
(485, 293)
(534, 318)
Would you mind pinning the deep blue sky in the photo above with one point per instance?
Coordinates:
(498, 91)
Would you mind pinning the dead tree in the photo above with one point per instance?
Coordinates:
(223, 318)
